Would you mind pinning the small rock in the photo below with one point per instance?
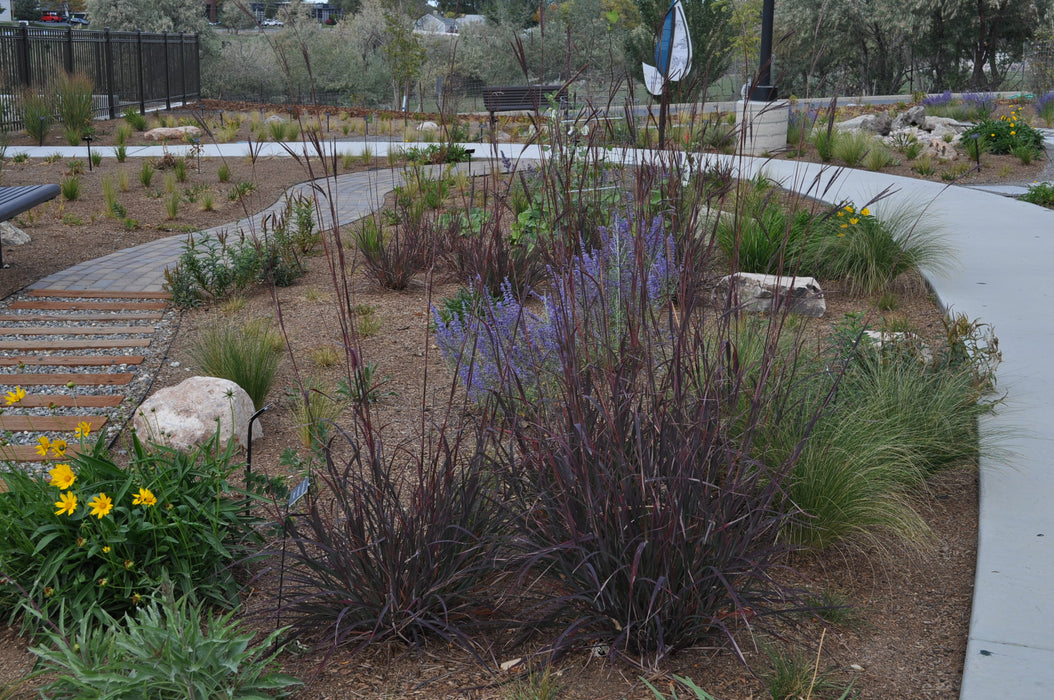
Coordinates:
(12, 235)
(428, 126)
(173, 364)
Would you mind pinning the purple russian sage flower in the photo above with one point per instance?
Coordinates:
(938, 100)
(503, 346)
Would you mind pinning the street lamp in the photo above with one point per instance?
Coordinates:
(763, 90)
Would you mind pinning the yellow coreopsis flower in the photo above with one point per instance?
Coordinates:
(43, 445)
(106, 549)
(58, 447)
(144, 498)
(13, 397)
(865, 211)
(83, 428)
(67, 504)
(844, 226)
(854, 221)
(848, 208)
(62, 476)
(101, 505)
(1012, 132)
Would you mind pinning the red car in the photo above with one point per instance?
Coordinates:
(52, 17)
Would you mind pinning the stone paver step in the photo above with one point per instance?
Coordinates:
(28, 453)
(50, 423)
(70, 360)
(65, 401)
(78, 330)
(89, 305)
(96, 294)
(45, 344)
(75, 317)
(81, 379)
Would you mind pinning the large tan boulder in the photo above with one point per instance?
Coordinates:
(187, 415)
(169, 133)
(768, 293)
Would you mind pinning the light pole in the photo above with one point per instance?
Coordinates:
(763, 90)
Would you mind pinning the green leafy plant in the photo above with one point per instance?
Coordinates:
(134, 119)
(314, 411)
(120, 153)
(118, 530)
(164, 647)
(146, 173)
(74, 104)
(224, 173)
(37, 113)
(70, 188)
(1041, 193)
(364, 387)
(96, 158)
(852, 147)
(1003, 135)
(172, 206)
(240, 191)
(870, 252)
(180, 169)
(245, 355)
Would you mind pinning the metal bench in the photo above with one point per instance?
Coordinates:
(16, 200)
(515, 98)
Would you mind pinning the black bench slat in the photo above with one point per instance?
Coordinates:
(512, 98)
(16, 200)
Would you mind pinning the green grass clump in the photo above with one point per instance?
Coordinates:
(247, 356)
(852, 147)
(70, 188)
(1041, 193)
(134, 119)
(75, 105)
(36, 111)
(146, 173)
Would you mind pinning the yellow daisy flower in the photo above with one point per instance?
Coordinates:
(854, 221)
(144, 498)
(58, 447)
(865, 211)
(62, 476)
(13, 397)
(101, 505)
(67, 504)
(83, 428)
(43, 445)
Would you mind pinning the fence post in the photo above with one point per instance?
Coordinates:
(182, 69)
(139, 70)
(110, 101)
(168, 70)
(23, 47)
(69, 49)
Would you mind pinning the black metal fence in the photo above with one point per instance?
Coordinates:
(127, 68)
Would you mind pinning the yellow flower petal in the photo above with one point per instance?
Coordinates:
(144, 498)
(83, 428)
(13, 397)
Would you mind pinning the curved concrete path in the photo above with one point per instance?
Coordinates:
(1005, 255)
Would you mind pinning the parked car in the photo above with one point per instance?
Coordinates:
(52, 17)
(272, 23)
(78, 20)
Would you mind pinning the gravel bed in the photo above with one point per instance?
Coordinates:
(144, 373)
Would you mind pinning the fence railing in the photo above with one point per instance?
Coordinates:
(136, 69)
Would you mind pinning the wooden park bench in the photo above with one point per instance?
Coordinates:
(16, 200)
(516, 98)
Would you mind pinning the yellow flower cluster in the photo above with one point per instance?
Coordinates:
(63, 477)
(850, 217)
(1012, 119)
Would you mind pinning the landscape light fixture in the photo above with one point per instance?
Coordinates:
(763, 90)
(221, 117)
(87, 140)
(41, 132)
(327, 122)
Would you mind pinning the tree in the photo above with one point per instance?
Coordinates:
(236, 15)
(148, 15)
(404, 54)
(25, 9)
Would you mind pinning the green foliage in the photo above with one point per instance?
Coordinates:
(120, 153)
(1002, 136)
(224, 173)
(146, 173)
(871, 252)
(879, 158)
(1041, 193)
(167, 514)
(314, 411)
(74, 105)
(172, 205)
(248, 356)
(852, 147)
(134, 119)
(70, 187)
(240, 191)
(824, 140)
(796, 674)
(162, 648)
(365, 387)
(36, 112)
(769, 241)
(685, 683)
